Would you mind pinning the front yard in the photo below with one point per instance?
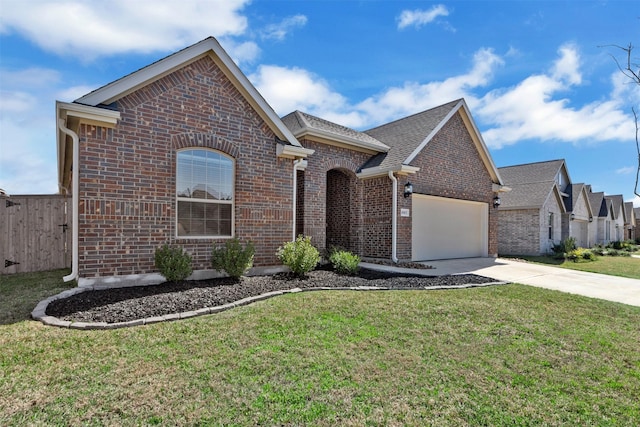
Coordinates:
(613, 266)
(502, 355)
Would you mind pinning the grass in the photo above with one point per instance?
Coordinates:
(20, 293)
(503, 355)
(613, 266)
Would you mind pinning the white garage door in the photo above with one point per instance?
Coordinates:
(448, 228)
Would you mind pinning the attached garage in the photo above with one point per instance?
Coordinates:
(446, 228)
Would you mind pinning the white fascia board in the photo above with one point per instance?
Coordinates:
(378, 171)
(497, 188)
(293, 152)
(87, 113)
(127, 84)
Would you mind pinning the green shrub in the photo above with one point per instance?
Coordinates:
(173, 262)
(615, 252)
(233, 259)
(562, 249)
(598, 249)
(300, 255)
(344, 262)
(579, 254)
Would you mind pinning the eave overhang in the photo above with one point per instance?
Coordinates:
(330, 138)
(377, 171)
(71, 115)
(292, 152)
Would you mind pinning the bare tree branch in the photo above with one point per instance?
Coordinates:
(632, 71)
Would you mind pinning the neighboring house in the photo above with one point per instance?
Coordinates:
(600, 227)
(578, 216)
(636, 215)
(531, 213)
(186, 151)
(616, 206)
(630, 222)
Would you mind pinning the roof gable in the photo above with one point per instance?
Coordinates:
(617, 206)
(209, 46)
(628, 211)
(598, 205)
(303, 124)
(408, 136)
(530, 196)
(552, 170)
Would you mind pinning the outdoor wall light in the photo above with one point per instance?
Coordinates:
(573, 216)
(497, 201)
(408, 189)
(590, 219)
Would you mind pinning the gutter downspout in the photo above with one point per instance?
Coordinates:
(394, 220)
(297, 165)
(75, 185)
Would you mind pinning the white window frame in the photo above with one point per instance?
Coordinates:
(218, 202)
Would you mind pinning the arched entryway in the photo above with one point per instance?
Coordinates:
(340, 209)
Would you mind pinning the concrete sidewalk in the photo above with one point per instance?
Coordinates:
(611, 288)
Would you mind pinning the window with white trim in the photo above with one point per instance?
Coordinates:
(550, 225)
(204, 193)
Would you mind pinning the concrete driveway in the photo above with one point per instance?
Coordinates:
(611, 288)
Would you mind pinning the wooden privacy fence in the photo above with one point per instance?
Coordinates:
(35, 233)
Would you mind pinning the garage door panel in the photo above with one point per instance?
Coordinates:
(448, 228)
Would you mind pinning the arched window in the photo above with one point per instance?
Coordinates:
(204, 193)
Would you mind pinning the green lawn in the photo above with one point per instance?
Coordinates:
(504, 355)
(614, 266)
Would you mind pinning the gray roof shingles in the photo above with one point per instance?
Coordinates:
(406, 134)
(530, 183)
(299, 122)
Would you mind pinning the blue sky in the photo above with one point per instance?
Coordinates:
(538, 76)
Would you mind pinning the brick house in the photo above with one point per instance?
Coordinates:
(531, 214)
(617, 232)
(186, 151)
(600, 227)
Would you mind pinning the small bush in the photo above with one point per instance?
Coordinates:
(599, 250)
(300, 255)
(615, 252)
(344, 262)
(562, 249)
(579, 254)
(173, 262)
(233, 259)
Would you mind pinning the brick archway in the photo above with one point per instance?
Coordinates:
(340, 199)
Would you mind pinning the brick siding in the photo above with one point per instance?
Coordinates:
(127, 175)
(450, 166)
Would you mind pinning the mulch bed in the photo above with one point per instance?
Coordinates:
(140, 302)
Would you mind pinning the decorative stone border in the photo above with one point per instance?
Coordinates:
(40, 312)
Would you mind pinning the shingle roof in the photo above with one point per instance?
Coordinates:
(405, 135)
(637, 213)
(300, 123)
(617, 201)
(530, 184)
(628, 211)
(596, 200)
(527, 196)
(531, 172)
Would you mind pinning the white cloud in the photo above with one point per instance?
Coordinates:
(627, 170)
(531, 109)
(290, 89)
(279, 31)
(27, 130)
(90, 29)
(418, 18)
(414, 97)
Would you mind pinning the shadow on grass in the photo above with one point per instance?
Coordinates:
(20, 293)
